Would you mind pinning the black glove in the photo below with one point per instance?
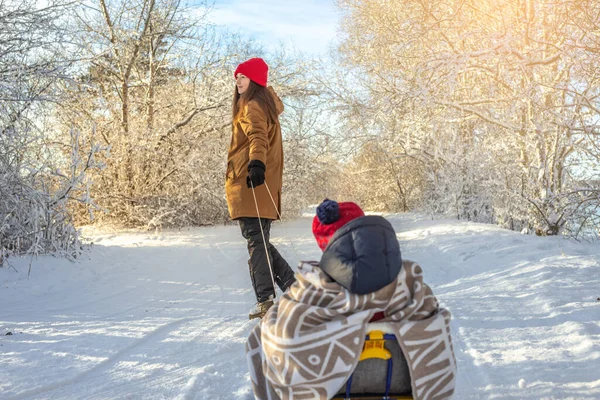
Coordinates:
(256, 173)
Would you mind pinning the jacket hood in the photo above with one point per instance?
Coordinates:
(364, 255)
(278, 103)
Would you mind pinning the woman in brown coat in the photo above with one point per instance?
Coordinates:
(255, 164)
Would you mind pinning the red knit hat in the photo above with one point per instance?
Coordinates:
(256, 69)
(330, 217)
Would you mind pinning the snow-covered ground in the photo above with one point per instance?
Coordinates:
(164, 316)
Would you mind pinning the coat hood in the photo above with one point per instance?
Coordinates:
(364, 255)
(278, 103)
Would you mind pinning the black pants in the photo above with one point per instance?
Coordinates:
(259, 267)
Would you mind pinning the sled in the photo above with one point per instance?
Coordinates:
(382, 371)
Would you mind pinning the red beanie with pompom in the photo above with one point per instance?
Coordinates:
(330, 217)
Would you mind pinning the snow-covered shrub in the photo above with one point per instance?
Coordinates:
(41, 171)
(36, 193)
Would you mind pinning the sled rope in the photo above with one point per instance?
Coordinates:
(285, 230)
(267, 253)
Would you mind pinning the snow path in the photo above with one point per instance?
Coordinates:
(164, 316)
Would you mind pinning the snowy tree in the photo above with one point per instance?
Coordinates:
(40, 174)
(513, 78)
(157, 88)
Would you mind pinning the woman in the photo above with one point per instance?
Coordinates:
(254, 178)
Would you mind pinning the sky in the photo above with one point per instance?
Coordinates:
(308, 25)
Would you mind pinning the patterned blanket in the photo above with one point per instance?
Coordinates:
(308, 344)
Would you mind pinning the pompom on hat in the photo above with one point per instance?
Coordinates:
(330, 217)
(256, 69)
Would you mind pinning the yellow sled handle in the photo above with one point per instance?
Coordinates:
(374, 347)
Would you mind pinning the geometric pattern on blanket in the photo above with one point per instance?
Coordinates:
(310, 341)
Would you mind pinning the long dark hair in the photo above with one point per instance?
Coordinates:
(261, 95)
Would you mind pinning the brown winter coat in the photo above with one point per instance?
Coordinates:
(253, 138)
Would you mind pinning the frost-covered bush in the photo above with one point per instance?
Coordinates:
(36, 193)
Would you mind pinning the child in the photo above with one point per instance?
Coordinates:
(309, 344)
